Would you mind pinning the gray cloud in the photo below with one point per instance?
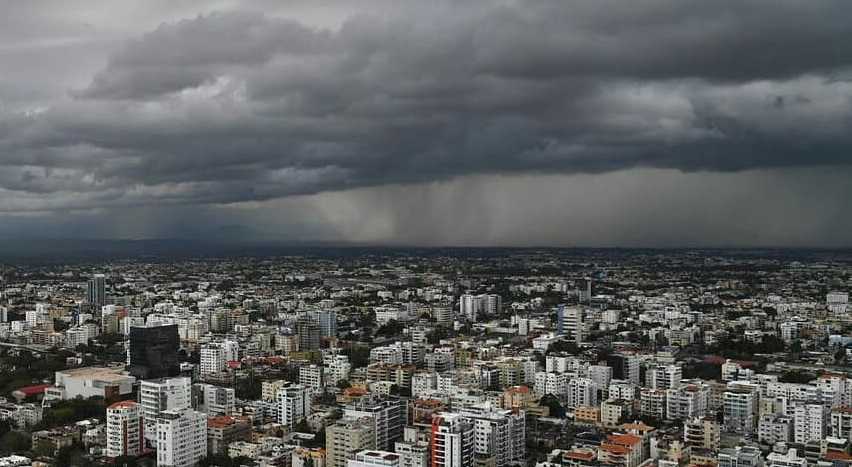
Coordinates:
(234, 106)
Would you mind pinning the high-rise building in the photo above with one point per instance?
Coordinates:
(499, 435)
(311, 376)
(124, 430)
(702, 433)
(581, 392)
(310, 334)
(216, 355)
(389, 414)
(158, 395)
(154, 351)
(664, 376)
(739, 406)
(181, 438)
(841, 422)
(574, 326)
(96, 290)
(327, 322)
(811, 422)
(294, 404)
(346, 437)
(837, 302)
(585, 290)
(452, 441)
(443, 315)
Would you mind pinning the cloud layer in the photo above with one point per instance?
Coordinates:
(223, 106)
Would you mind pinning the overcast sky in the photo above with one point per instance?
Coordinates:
(450, 122)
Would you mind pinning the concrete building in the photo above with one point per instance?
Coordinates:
(702, 433)
(452, 441)
(374, 458)
(811, 423)
(111, 383)
(214, 400)
(346, 437)
(158, 395)
(775, 428)
(124, 430)
(224, 430)
(181, 438)
(294, 404)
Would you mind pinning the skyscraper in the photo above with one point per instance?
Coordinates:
(153, 351)
(96, 290)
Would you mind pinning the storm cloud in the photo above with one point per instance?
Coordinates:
(223, 105)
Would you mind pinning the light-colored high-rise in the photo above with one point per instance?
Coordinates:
(452, 441)
(162, 394)
(181, 438)
(294, 404)
(124, 430)
(346, 437)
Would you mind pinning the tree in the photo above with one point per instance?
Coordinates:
(556, 409)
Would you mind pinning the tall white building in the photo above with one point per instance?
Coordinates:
(581, 392)
(125, 434)
(337, 367)
(739, 406)
(837, 302)
(664, 376)
(181, 438)
(157, 395)
(498, 434)
(451, 441)
(216, 355)
(811, 423)
(311, 376)
(294, 404)
(687, 402)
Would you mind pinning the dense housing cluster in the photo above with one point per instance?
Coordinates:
(438, 358)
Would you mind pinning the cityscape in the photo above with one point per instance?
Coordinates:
(431, 358)
(425, 233)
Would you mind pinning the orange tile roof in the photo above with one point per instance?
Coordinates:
(118, 404)
(615, 448)
(624, 439)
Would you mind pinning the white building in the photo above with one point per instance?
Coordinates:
(294, 404)
(215, 400)
(156, 395)
(664, 376)
(550, 383)
(311, 376)
(374, 458)
(124, 430)
(451, 441)
(837, 302)
(581, 392)
(181, 438)
(791, 459)
(811, 423)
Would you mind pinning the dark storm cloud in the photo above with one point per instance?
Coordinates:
(236, 106)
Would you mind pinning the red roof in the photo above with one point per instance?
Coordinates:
(35, 389)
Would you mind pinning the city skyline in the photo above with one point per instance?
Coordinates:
(494, 123)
